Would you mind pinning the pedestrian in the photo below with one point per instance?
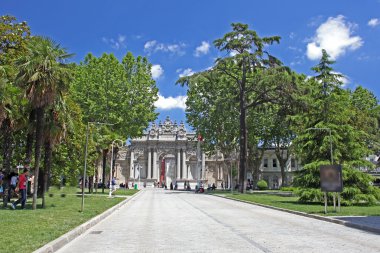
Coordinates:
(1, 177)
(21, 186)
(1, 182)
(171, 185)
(113, 185)
(13, 185)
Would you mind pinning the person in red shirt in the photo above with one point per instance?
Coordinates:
(21, 186)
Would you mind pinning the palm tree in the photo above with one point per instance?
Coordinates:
(57, 121)
(11, 115)
(43, 73)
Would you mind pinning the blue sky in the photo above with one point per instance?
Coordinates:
(177, 36)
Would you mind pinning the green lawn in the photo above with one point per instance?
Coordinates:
(27, 230)
(312, 208)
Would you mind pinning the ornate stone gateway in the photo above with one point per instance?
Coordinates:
(167, 154)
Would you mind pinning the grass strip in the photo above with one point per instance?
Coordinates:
(27, 230)
(291, 203)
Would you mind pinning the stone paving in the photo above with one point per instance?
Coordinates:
(168, 221)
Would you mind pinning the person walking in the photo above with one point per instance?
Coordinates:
(21, 186)
(113, 186)
(1, 182)
(13, 185)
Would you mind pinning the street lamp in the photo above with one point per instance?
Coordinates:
(85, 157)
(112, 145)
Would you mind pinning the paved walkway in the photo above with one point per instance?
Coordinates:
(167, 221)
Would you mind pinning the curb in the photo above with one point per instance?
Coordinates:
(64, 239)
(322, 218)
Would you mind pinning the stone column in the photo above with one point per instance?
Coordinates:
(155, 174)
(131, 174)
(179, 164)
(149, 164)
(184, 164)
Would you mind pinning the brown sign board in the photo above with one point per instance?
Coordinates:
(331, 178)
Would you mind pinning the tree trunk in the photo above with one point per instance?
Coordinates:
(90, 184)
(7, 132)
(47, 167)
(256, 163)
(96, 176)
(242, 133)
(37, 153)
(30, 137)
(282, 162)
(105, 152)
(7, 156)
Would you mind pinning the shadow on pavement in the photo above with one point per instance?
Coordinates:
(370, 221)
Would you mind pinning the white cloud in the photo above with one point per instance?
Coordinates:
(168, 103)
(185, 72)
(315, 21)
(335, 37)
(121, 38)
(344, 79)
(296, 49)
(115, 43)
(233, 53)
(374, 22)
(157, 71)
(203, 49)
(150, 44)
(153, 46)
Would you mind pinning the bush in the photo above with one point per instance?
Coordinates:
(262, 185)
(309, 195)
(288, 189)
(357, 186)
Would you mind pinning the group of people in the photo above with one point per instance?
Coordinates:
(13, 184)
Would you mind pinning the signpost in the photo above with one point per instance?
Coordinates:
(331, 181)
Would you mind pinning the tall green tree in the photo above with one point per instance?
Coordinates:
(43, 73)
(348, 138)
(119, 93)
(250, 76)
(13, 39)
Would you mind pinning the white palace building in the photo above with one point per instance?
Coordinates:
(167, 153)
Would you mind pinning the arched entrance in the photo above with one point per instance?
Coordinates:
(167, 169)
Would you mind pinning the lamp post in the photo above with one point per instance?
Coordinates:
(111, 170)
(85, 157)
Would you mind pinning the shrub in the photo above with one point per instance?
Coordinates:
(288, 189)
(357, 186)
(262, 185)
